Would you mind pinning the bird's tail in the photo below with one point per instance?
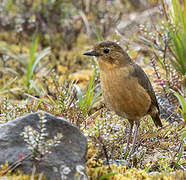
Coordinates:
(155, 116)
(157, 120)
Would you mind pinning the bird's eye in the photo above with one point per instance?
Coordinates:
(106, 51)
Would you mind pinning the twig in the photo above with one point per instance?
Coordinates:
(85, 20)
(164, 56)
(40, 176)
(16, 164)
(33, 173)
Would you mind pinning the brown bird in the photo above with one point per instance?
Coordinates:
(125, 87)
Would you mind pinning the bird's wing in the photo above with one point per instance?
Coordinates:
(145, 83)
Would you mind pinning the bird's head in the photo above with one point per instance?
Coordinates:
(109, 55)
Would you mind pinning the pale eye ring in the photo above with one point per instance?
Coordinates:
(106, 51)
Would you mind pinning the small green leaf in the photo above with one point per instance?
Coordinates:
(108, 175)
(42, 54)
(98, 34)
(182, 102)
(79, 94)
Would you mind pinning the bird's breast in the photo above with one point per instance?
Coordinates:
(123, 94)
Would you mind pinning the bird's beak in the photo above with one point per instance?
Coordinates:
(92, 53)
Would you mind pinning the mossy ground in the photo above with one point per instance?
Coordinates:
(157, 151)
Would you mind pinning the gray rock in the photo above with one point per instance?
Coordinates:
(168, 110)
(65, 160)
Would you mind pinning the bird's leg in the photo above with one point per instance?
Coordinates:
(128, 141)
(135, 137)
